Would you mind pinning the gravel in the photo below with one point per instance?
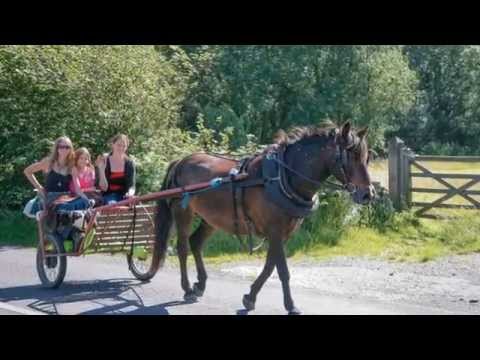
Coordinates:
(450, 283)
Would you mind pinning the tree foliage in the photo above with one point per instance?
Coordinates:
(173, 100)
(89, 93)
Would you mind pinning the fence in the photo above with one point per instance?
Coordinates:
(401, 159)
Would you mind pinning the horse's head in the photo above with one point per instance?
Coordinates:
(350, 165)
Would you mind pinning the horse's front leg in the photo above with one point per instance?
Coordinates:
(284, 275)
(250, 299)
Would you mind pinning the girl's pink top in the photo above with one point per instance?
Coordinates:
(86, 179)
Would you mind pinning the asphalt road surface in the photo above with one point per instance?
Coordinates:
(102, 284)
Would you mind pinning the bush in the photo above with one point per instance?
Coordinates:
(89, 93)
(448, 149)
(380, 214)
(176, 144)
(336, 213)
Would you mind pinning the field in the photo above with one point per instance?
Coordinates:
(379, 173)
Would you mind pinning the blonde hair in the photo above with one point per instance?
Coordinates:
(53, 157)
(83, 151)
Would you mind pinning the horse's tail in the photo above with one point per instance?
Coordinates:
(164, 217)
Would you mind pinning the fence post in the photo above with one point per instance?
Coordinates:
(405, 180)
(409, 155)
(394, 171)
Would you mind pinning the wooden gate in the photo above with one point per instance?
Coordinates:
(401, 163)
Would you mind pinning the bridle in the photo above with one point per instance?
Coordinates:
(339, 169)
(341, 162)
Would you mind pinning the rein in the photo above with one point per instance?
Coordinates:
(341, 162)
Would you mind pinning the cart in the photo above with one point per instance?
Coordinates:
(126, 227)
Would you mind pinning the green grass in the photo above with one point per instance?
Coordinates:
(427, 240)
(17, 229)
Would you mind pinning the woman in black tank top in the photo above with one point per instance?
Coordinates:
(56, 182)
(57, 169)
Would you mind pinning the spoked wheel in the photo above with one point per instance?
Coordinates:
(51, 270)
(143, 263)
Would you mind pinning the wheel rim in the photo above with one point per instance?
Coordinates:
(51, 273)
(51, 265)
(142, 266)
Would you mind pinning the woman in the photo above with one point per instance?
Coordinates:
(116, 172)
(57, 168)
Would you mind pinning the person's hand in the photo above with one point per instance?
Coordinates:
(42, 193)
(101, 162)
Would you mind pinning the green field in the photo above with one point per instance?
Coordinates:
(379, 172)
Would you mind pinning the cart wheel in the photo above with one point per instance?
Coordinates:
(143, 264)
(51, 270)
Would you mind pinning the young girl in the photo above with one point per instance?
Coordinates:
(116, 172)
(83, 176)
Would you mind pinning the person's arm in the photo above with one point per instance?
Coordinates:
(131, 180)
(76, 184)
(32, 169)
(94, 182)
(101, 165)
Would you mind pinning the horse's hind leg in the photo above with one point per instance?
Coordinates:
(197, 240)
(183, 220)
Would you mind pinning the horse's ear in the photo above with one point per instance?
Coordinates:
(362, 133)
(346, 128)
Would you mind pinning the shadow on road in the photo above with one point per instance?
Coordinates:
(120, 291)
(242, 312)
(159, 309)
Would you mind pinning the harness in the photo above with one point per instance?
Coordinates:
(274, 179)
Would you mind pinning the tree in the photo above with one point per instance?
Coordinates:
(260, 89)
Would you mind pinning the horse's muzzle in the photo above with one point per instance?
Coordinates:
(364, 196)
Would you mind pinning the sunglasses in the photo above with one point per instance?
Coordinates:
(64, 147)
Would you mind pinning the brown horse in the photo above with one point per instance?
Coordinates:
(309, 156)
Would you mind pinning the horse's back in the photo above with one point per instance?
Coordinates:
(201, 167)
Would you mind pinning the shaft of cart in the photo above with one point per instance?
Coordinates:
(171, 193)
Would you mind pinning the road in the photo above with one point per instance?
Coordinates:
(99, 284)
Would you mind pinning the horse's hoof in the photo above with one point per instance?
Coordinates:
(294, 311)
(249, 304)
(196, 289)
(190, 297)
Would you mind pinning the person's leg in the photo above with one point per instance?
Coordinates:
(76, 204)
(111, 198)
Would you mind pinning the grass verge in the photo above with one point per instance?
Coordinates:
(409, 239)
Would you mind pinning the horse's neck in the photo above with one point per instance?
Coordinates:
(309, 164)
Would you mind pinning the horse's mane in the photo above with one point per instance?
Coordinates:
(299, 133)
